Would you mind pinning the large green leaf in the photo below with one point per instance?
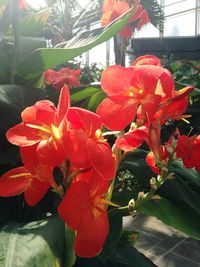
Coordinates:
(180, 217)
(115, 221)
(129, 256)
(122, 256)
(39, 243)
(43, 59)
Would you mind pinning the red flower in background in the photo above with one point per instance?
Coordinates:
(112, 9)
(42, 127)
(22, 4)
(34, 184)
(127, 88)
(66, 76)
(188, 148)
(83, 208)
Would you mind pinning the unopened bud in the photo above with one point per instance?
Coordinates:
(153, 183)
(131, 206)
(170, 149)
(141, 195)
(156, 198)
(170, 176)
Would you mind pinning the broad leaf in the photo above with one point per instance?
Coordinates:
(39, 243)
(70, 257)
(43, 59)
(113, 238)
(181, 217)
(129, 256)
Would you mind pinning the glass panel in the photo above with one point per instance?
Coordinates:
(198, 21)
(180, 25)
(98, 54)
(147, 31)
(172, 7)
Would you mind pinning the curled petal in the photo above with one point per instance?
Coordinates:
(15, 182)
(63, 104)
(22, 135)
(133, 139)
(147, 60)
(42, 113)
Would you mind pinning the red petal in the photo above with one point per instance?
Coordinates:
(102, 159)
(147, 60)
(42, 113)
(116, 116)
(21, 135)
(63, 104)
(51, 152)
(91, 235)
(36, 192)
(11, 186)
(116, 80)
(133, 139)
(75, 143)
(150, 159)
(153, 80)
(85, 119)
(150, 104)
(75, 204)
(29, 156)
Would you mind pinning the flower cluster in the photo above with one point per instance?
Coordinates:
(66, 76)
(71, 139)
(112, 9)
(141, 97)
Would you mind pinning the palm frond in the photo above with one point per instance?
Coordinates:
(155, 12)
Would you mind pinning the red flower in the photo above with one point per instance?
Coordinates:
(127, 88)
(112, 9)
(85, 145)
(188, 148)
(43, 127)
(22, 4)
(83, 208)
(147, 60)
(66, 76)
(34, 184)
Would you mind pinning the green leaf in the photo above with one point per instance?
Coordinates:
(129, 256)
(39, 243)
(180, 217)
(84, 93)
(70, 257)
(95, 100)
(189, 174)
(128, 238)
(43, 59)
(113, 238)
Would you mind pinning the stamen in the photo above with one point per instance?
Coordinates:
(43, 129)
(20, 175)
